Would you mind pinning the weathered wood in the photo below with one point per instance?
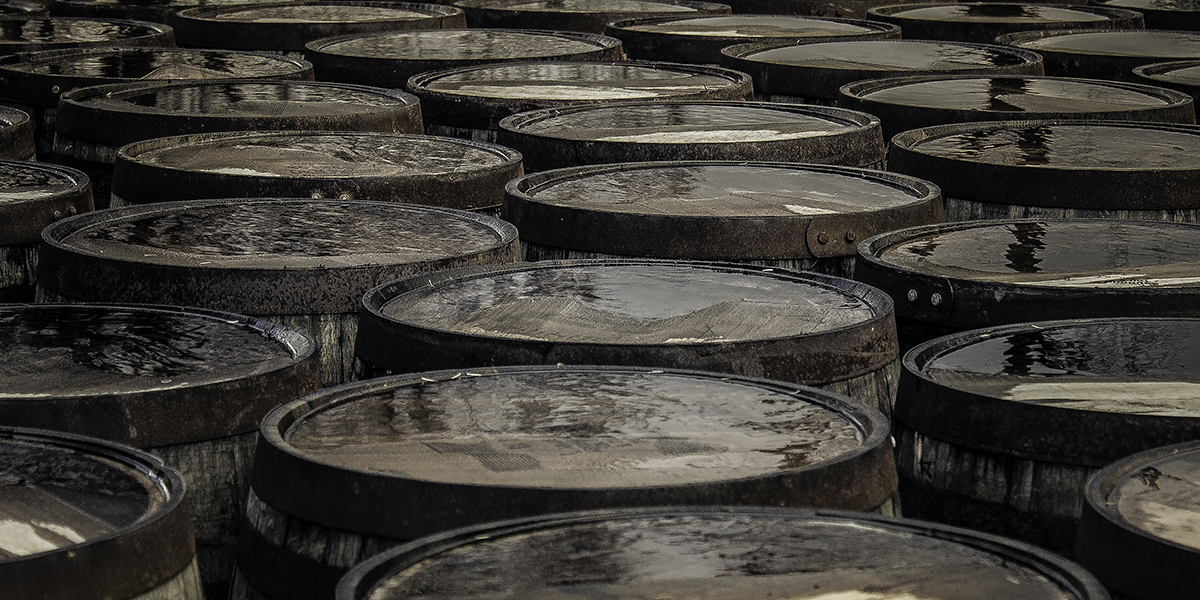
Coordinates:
(185, 586)
(18, 272)
(840, 267)
(580, 15)
(1088, 54)
(958, 209)
(983, 22)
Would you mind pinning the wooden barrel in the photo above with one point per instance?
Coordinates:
(1161, 14)
(32, 196)
(186, 385)
(368, 466)
(700, 39)
(23, 33)
(285, 27)
(803, 328)
(905, 103)
(998, 429)
(975, 274)
(33, 81)
(589, 16)
(389, 59)
(788, 215)
(157, 11)
(469, 102)
(92, 520)
(385, 167)
(813, 73)
(847, 9)
(302, 263)
(569, 136)
(1057, 169)
(94, 122)
(1137, 532)
(736, 553)
(1105, 54)
(983, 22)
(1179, 75)
(16, 134)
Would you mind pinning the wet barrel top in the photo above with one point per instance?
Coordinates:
(1105, 54)
(998, 272)
(107, 114)
(818, 70)
(449, 449)
(743, 553)
(146, 376)
(482, 95)
(1079, 392)
(418, 169)
(904, 103)
(157, 11)
(982, 22)
(33, 77)
(576, 15)
(716, 210)
(16, 134)
(87, 519)
(257, 256)
(27, 34)
(640, 131)
(700, 39)
(389, 59)
(1162, 14)
(1181, 75)
(554, 310)
(34, 195)
(288, 26)
(1094, 165)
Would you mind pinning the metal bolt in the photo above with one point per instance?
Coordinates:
(850, 236)
(823, 237)
(912, 295)
(57, 215)
(72, 211)
(935, 299)
(55, 90)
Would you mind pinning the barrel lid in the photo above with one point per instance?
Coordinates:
(712, 210)
(990, 273)
(723, 552)
(1141, 512)
(1079, 392)
(563, 438)
(1098, 165)
(27, 33)
(692, 130)
(577, 15)
(287, 26)
(799, 327)
(1139, 43)
(1182, 75)
(157, 11)
(87, 519)
(259, 256)
(16, 134)
(1154, 5)
(913, 102)
(982, 22)
(33, 193)
(39, 77)
(819, 69)
(418, 169)
(479, 96)
(120, 113)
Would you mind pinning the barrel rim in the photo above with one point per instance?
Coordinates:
(743, 51)
(890, 10)
(858, 89)
(873, 27)
(204, 13)
(1162, 71)
(22, 220)
(320, 45)
(501, 5)
(1018, 39)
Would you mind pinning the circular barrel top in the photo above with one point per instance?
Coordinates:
(998, 272)
(1100, 165)
(34, 195)
(1105, 54)
(700, 39)
(1079, 392)
(38, 78)
(27, 34)
(417, 169)
(577, 15)
(983, 22)
(288, 26)
(563, 438)
(259, 256)
(1180, 75)
(1162, 14)
(554, 138)
(478, 97)
(117, 114)
(16, 134)
(744, 553)
(157, 11)
(710, 210)
(819, 69)
(388, 59)
(1141, 514)
(146, 376)
(87, 519)
(904, 103)
(685, 315)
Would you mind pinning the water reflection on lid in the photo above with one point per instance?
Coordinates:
(19, 181)
(317, 13)
(457, 44)
(1160, 498)
(997, 12)
(1164, 44)
(753, 26)
(1017, 94)
(159, 63)
(916, 55)
(580, 81)
(606, 6)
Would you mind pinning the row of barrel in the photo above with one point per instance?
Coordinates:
(752, 312)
